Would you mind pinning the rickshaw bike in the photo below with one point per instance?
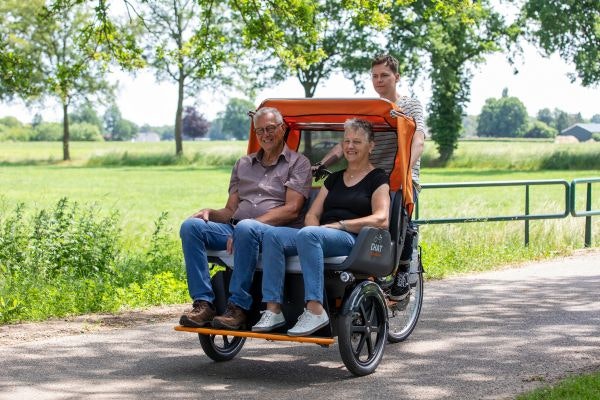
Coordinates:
(363, 317)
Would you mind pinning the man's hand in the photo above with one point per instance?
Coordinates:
(230, 245)
(202, 214)
(319, 171)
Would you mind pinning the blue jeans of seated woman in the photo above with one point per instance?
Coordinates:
(312, 244)
(198, 235)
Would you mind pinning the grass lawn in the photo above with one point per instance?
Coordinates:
(584, 387)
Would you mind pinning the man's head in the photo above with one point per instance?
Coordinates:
(385, 76)
(269, 129)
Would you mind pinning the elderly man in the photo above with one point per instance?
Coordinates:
(267, 188)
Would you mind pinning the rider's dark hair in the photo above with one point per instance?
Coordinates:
(387, 60)
(356, 124)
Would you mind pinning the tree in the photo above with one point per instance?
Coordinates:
(194, 123)
(504, 117)
(545, 115)
(187, 45)
(236, 122)
(540, 129)
(86, 113)
(346, 43)
(570, 28)
(446, 43)
(595, 119)
(115, 126)
(63, 57)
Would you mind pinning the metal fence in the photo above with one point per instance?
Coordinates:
(569, 191)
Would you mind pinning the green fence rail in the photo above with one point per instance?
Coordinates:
(526, 216)
(588, 207)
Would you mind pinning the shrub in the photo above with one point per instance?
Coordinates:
(596, 137)
(70, 260)
(85, 132)
(540, 130)
(48, 132)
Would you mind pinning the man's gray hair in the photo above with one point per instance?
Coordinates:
(268, 110)
(356, 124)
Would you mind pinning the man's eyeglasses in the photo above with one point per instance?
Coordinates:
(270, 129)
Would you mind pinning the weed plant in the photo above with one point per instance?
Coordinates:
(69, 260)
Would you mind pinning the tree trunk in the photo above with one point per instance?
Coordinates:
(66, 155)
(178, 119)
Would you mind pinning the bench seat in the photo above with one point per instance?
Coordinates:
(292, 264)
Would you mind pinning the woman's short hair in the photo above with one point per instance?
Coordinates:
(356, 124)
(268, 110)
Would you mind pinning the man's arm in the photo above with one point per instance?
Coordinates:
(222, 215)
(282, 215)
(416, 149)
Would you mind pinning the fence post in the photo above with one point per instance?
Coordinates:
(526, 213)
(588, 219)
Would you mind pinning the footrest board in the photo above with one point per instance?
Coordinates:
(323, 341)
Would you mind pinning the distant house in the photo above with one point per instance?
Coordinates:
(583, 132)
(146, 137)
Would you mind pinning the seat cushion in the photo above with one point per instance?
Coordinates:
(292, 265)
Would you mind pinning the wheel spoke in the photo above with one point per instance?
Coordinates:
(360, 345)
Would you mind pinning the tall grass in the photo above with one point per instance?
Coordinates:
(68, 260)
(519, 155)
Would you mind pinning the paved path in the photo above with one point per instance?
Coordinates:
(485, 336)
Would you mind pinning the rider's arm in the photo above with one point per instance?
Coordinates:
(278, 216)
(332, 156)
(222, 215)
(313, 216)
(416, 149)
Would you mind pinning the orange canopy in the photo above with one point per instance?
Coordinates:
(298, 113)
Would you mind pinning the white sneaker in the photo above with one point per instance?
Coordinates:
(309, 323)
(269, 321)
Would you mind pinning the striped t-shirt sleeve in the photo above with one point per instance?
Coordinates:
(413, 108)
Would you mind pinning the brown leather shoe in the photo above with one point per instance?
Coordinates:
(201, 315)
(234, 318)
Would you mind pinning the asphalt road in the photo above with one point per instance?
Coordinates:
(484, 336)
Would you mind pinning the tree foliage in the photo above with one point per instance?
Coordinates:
(62, 56)
(447, 42)
(540, 130)
(194, 123)
(504, 117)
(569, 27)
(236, 122)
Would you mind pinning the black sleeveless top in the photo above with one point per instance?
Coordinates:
(343, 202)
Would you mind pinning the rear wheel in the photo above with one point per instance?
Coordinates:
(221, 347)
(362, 329)
(403, 315)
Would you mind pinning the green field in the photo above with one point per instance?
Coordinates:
(141, 195)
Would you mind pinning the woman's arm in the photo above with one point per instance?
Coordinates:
(313, 215)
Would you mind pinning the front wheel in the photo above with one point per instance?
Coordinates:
(362, 329)
(404, 314)
(221, 347)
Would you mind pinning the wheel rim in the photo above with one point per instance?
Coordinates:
(367, 331)
(225, 344)
(402, 315)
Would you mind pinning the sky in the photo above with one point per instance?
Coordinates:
(540, 83)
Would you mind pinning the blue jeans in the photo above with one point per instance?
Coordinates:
(279, 242)
(247, 241)
(197, 236)
(312, 244)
